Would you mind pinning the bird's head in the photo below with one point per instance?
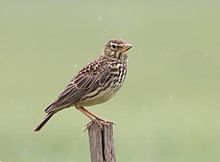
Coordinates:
(116, 49)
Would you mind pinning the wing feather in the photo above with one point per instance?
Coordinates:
(79, 86)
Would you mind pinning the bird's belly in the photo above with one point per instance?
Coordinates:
(94, 99)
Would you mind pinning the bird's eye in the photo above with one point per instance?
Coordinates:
(113, 46)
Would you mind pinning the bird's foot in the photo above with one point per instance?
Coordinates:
(102, 122)
(98, 121)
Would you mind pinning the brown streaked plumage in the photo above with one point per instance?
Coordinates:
(96, 83)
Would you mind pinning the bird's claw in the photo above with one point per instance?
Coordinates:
(98, 121)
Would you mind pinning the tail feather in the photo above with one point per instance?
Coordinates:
(45, 120)
(48, 107)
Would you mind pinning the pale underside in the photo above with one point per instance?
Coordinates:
(102, 97)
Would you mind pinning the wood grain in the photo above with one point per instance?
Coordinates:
(101, 143)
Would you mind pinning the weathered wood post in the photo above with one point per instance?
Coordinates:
(101, 143)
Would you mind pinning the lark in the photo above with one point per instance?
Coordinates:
(95, 83)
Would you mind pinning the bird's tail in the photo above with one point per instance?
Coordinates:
(45, 120)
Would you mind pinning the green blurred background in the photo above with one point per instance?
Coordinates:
(169, 107)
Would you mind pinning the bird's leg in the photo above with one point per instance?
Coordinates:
(86, 113)
(93, 115)
(93, 118)
(101, 121)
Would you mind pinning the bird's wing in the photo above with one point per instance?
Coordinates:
(80, 85)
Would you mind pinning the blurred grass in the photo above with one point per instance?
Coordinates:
(168, 109)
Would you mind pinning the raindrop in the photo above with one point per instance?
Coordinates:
(168, 54)
(205, 56)
(100, 18)
(171, 98)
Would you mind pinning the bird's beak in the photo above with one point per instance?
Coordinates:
(128, 46)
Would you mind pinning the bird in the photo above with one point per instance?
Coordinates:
(95, 83)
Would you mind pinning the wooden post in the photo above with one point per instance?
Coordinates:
(101, 143)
